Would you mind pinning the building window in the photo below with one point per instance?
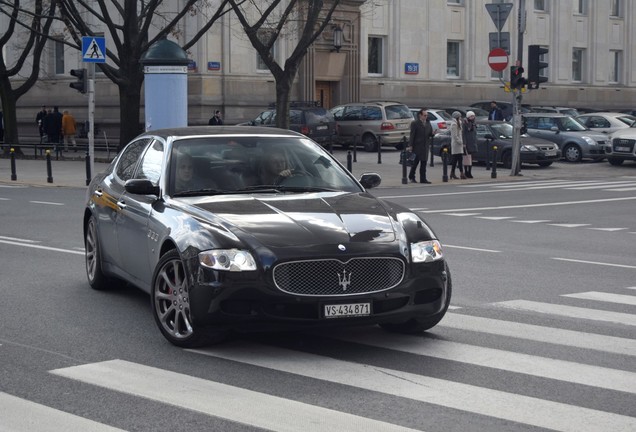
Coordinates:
(581, 7)
(376, 56)
(540, 5)
(453, 59)
(615, 67)
(615, 8)
(59, 58)
(454, 1)
(264, 35)
(577, 64)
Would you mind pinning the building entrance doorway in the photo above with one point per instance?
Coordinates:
(324, 92)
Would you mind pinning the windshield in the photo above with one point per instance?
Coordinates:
(502, 130)
(569, 124)
(223, 164)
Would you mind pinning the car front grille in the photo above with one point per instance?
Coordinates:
(620, 144)
(332, 277)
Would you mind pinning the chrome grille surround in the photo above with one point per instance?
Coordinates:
(332, 277)
(623, 142)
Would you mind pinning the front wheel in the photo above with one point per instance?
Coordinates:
(419, 325)
(615, 161)
(171, 305)
(572, 153)
(92, 256)
(506, 160)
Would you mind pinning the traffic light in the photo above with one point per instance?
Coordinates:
(535, 65)
(81, 85)
(517, 81)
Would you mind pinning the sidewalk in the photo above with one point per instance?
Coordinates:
(71, 171)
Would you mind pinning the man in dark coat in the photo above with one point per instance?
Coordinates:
(495, 112)
(419, 142)
(53, 126)
(216, 119)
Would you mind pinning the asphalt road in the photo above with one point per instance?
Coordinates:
(541, 335)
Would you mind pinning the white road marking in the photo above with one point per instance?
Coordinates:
(42, 247)
(47, 203)
(604, 297)
(608, 229)
(21, 415)
(595, 263)
(602, 185)
(451, 394)
(531, 221)
(626, 189)
(471, 248)
(554, 204)
(569, 225)
(462, 214)
(556, 336)
(570, 311)
(220, 400)
(495, 217)
(18, 239)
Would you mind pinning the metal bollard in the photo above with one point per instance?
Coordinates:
(379, 149)
(14, 176)
(330, 147)
(88, 169)
(403, 160)
(355, 146)
(445, 165)
(488, 155)
(349, 164)
(493, 173)
(432, 155)
(49, 170)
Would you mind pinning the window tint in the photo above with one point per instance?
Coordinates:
(373, 113)
(352, 113)
(318, 116)
(395, 112)
(129, 158)
(295, 116)
(151, 163)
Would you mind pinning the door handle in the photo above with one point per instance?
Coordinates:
(121, 204)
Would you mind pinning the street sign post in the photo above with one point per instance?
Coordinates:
(498, 59)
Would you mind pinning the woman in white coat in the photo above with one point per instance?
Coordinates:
(457, 146)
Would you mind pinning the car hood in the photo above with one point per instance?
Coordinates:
(629, 133)
(302, 219)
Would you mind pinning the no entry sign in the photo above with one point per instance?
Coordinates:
(498, 59)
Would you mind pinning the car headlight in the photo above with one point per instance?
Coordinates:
(529, 148)
(589, 140)
(234, 260)
(426, 251)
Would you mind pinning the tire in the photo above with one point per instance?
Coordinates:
(615, 161)
(545, 164)
(419, 325)
(506, 160)
(171, 305)
(572, 153)
(369, 143)
(93, 259)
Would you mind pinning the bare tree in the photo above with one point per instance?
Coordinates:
(128, 23)
(30, 25)
(308, 17)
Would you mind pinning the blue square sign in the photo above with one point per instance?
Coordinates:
(93, 49)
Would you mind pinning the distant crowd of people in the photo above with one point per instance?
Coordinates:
(57, 128)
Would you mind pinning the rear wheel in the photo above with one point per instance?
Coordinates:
(572, 153)
(171, 305)
(615, 161)
(419, 325)
(369, 142)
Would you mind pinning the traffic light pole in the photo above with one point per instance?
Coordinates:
(91, 116)
(516, 97)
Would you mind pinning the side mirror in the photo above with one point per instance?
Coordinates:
(554, 129)
(370, 180)
(141, 187)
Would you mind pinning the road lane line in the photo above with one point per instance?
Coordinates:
(470, 248)
(42, 247)
(569, 225)
(604, 297)
(18, 239)
(570, 311)
(220, 400)
(542, 367)
(595, 263)
(531, 221)
(451, 394)
(21, 415)
(496, 218)
(554, 204)
(608, 229)
(555, 336)
(602, 185)
(47, 203)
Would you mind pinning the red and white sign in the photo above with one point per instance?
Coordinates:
(498, 59)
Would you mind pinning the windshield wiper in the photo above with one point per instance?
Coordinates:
(283, 188)
(201, 192)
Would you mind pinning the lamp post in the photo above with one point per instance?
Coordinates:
(337, 38)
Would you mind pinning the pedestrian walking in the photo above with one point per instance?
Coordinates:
(470, 142)
(69, 130)
(419, 144)
(495, 112)
(216, 119)
(457, 146)
(39, 121)
(53, 126)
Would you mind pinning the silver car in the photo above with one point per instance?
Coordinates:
(575, 140)
(607, 122)
(622, 146)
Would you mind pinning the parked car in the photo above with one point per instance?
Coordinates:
(497, 133)
(480, 114)
(311, 248)
(440, 119)
(369, 122)
(506, 108)
(607, 122)
(551, 109)
(621, 145)
(307, 118)
(575, 140)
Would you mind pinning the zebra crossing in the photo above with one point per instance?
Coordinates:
(438, 371)
(614, 185)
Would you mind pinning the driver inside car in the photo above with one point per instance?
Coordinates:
(274, 168)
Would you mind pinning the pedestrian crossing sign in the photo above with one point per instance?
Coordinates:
(93, 49)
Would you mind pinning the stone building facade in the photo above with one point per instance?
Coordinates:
(420, 52)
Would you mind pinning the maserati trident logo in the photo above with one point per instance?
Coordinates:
(344, 279)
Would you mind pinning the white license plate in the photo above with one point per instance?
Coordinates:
(550, 153)
(322, 127)
(403, 125)
(347, 310)
(623, 149)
